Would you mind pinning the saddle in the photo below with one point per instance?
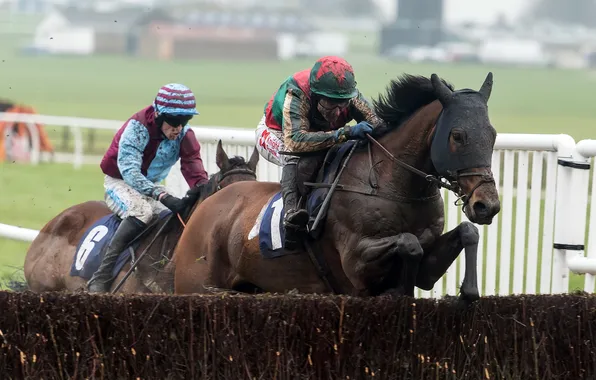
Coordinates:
(269, 224)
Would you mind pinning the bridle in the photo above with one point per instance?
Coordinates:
(246, 171)
(451, 183)
(216, 180)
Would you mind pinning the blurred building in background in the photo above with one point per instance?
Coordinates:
(550, 33)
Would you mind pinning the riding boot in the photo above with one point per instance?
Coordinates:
(295, 219)
(128, 229)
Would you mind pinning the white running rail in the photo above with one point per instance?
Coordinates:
(534, 243)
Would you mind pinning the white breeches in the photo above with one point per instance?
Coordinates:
(269, 143)
(125, 201)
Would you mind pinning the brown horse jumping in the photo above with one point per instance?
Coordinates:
(50, 257)
(382, 231)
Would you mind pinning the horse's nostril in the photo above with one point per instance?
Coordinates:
(480, 209)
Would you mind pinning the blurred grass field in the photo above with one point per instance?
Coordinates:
(233, 94)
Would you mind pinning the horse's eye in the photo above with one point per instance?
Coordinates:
(458, 136)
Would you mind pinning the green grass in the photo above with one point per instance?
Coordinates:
(37, 194)
(233, 94)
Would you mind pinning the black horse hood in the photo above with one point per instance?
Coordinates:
(464, 137)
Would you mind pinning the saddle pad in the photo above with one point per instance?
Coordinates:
(91, 248)
(269, 228)
(95, 241)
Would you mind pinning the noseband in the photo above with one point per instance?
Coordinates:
(451, 183)
(464, 199)
(233, 172)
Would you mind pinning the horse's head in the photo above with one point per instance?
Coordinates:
(234, 169)
(462, 148)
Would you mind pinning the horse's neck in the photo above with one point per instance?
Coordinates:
(410, 143)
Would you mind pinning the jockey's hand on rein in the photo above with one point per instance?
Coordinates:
(358, 131)
(173, 203)
(195, 192)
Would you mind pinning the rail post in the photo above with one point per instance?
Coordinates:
(571, 204)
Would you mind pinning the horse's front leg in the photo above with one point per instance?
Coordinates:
(443, 253)
(375, 261)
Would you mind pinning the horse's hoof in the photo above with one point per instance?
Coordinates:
(461, 303)
(467, 300)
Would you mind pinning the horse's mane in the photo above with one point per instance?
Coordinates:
(236, 161)
(403, 97)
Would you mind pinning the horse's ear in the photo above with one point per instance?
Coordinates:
(443, 92)
(221, 157)
(254, 159)
(487, 87)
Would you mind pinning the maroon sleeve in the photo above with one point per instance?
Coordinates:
(191, 163)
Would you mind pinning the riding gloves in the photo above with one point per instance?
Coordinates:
(173, 203)
(359, 130)
(356, 132)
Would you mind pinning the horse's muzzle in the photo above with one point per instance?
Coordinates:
(479, 195)
(483, 211)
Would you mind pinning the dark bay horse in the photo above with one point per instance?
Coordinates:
(50, 256)
(383, 231)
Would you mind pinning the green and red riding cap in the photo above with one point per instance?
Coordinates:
(333, 77)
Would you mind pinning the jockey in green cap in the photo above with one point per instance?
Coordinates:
(309, 113)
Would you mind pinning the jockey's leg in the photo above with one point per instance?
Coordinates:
(308, 167)
(127, 230)
(294, 174)
(295, 219)
(269, 143)
(136, 211)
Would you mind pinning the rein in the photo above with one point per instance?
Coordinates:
(451, 184)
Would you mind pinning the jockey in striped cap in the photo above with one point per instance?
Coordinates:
(141, 155)
(175, 99)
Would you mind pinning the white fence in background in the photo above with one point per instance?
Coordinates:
(533, 245)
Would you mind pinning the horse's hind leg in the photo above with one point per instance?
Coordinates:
(443, 253)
